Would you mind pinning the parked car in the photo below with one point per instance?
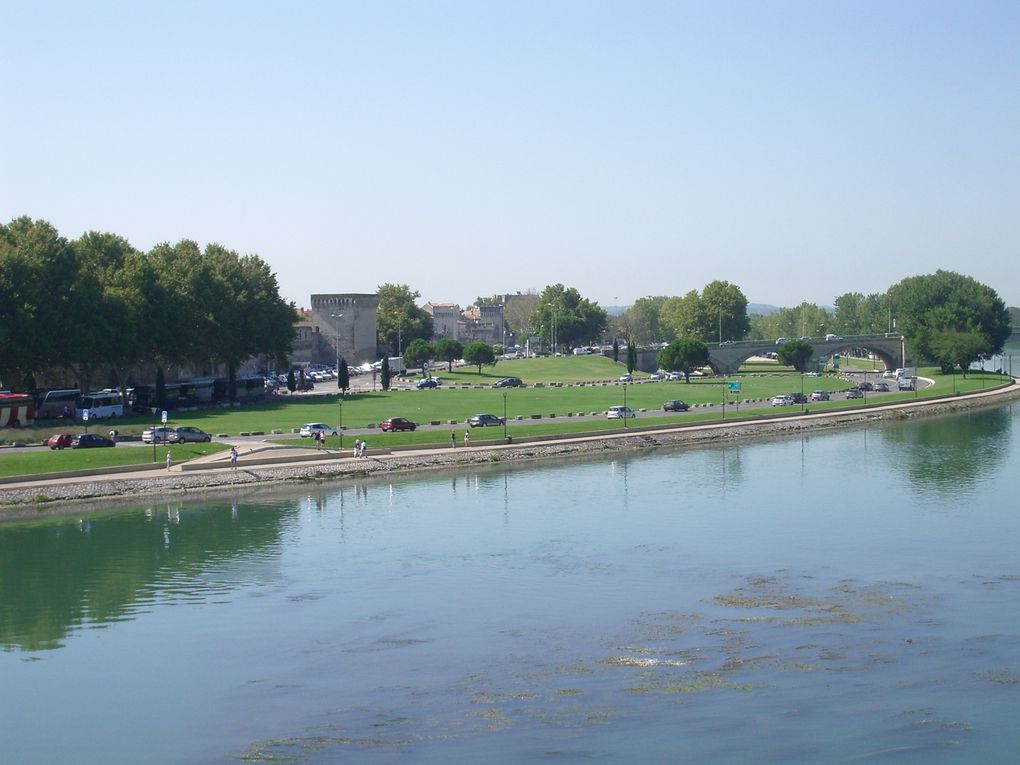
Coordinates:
(508, 382)
(60, 440)
(91, 441)
(627, 377)
(855, 393)
(157, 435)
(781, 400)
(428, 382)
(185, 433)
(482, 420)
(675, 405)
(396, 423)
(798, 398)
(620, 413)
(309, 430)
(820, 395)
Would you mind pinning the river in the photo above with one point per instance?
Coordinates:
(851, 596)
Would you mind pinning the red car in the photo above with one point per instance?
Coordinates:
(396, 423)
(59, 440)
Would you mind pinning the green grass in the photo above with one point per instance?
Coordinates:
(55, 461)
(453, 402)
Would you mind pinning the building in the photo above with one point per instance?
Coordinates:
(344, 322)
(483, 324)
(446, 319)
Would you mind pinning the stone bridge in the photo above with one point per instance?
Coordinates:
(726, 358)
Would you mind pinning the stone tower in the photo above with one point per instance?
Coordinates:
(349, 318)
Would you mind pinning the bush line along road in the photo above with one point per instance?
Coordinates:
(587, 388)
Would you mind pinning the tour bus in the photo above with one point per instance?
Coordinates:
(51, 404)
(100, 405)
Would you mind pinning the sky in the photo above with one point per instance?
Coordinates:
(799, 150)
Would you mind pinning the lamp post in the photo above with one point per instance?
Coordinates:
(625, 412)
(720, 324)
(505, 437)
(340, 427)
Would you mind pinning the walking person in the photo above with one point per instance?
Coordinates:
(467, 439)
(453, 440)
(364, 447)
(169, 461)
(233, 458)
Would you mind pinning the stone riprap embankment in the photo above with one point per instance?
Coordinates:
(35, 497)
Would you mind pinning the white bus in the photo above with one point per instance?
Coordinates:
(100, 405)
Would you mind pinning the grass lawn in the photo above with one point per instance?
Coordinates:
(49, 461)
(454, 401)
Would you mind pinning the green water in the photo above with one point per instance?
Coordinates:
(844, 597)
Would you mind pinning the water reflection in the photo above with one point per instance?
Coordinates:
(56, 577)
(951, 455)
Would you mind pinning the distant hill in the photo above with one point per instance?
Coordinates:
(762, 309)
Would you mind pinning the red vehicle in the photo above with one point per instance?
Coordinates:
(59, 440)
(396, 423)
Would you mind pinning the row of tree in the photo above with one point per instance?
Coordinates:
(97, 305)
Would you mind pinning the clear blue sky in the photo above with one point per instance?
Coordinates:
(797, 149)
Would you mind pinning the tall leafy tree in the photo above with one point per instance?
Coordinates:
(796, 354)
(384, 373)
(642, 320)
(925, 306)
(449, 350)
(681, 316)
(479, 353)
(417, 354)
(399, 321)
(957, 349)
(517, 312)
(725, 306)
(343, 376)
(631, 356)
(573, 319)
(683, 355)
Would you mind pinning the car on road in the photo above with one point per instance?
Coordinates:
(674, 376)
(60, 440)
(820, 395)
(881, 387)
(395, 424)
(311, 429)
(832, 338)
(905, 383)
(728, 342)
(428, 382)
(482, 420)
(782, 400)
(91, 441)
(855, 393)
(184, 434)
(675, 405)
(656, 376)
(798, 398)
(620, 413)
(781, 340)
(865, 385)
(508, 382)
(157, 435)
(627, 377)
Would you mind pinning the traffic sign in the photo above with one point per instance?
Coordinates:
(164, 416)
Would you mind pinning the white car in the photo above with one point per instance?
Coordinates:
(782, 400)
(656, 376)
(674, 376)
(627, 377)
(310, 429)
(620, 413)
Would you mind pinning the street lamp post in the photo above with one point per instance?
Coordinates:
(720, 324)
(340, 427)
(505, 437)
(625, 412)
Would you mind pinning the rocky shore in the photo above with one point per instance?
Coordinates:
(42, 498)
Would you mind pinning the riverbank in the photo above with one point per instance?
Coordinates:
(41, 497)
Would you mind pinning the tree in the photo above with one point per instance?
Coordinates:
(479, 353)
(957, 349)
(517, 311)
(683, 355)
(449, 350)
(926, 306)
(562, 314)
(384, 373)
(725, 309)
(681, 316)
(631, 357)
(343, 376)
(291, 382)
(616, 350)
(160, 388)
(418, 354)
(642, 320)
(399, 321)
(796, 354)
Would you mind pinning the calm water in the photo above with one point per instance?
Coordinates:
(848, 597)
